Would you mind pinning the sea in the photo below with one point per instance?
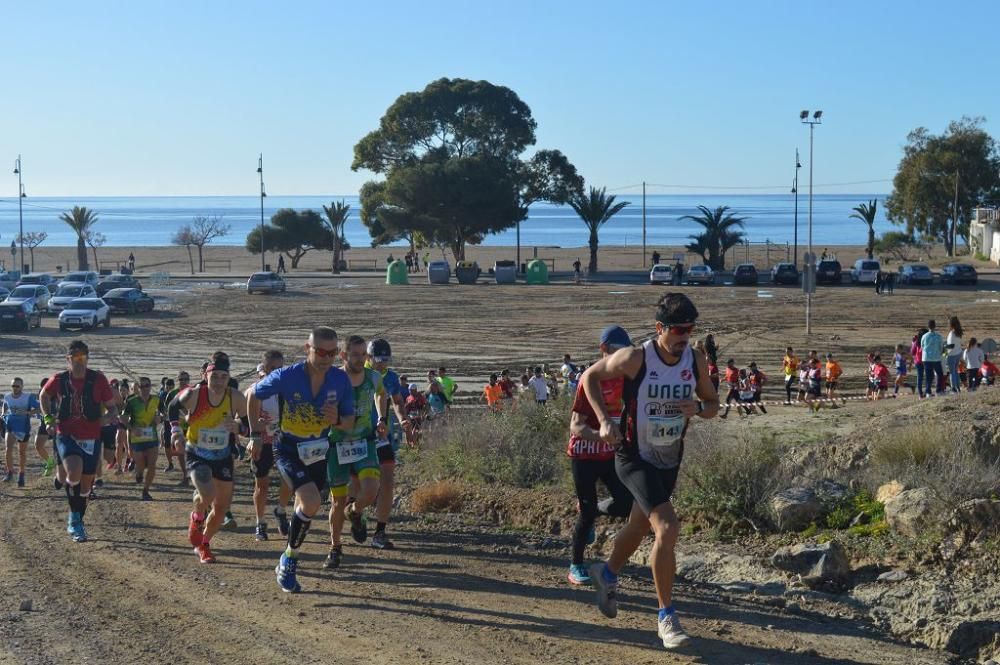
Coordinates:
(137, 221)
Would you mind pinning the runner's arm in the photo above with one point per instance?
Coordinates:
(709, 406)
(253, 412)
(397, 405)
(578, 425)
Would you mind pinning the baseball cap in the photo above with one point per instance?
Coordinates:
(413, 386)
(615, 337)
(379, 350)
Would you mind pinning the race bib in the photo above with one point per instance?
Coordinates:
(86, 445)
(413, 415)
(382, 443)
(746, 394)
(664, 431)
(213, 439)
(313, 451)
(145, 434)
(349, 452)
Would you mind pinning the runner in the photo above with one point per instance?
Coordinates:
(264, 417)
(900, 362)
(448, 385)
(732, 385)
(17, 408)
(41, 438)
(539, 386)
(379, 357)
(508, 387)
(833, 374)
(142, 418)
(176, 426)
(114, 436)
(76, 424)
(593, 459)
(666, 384)
(789, 365)
(757, 381)
(416, 409)
(353, 451)
(814, 385)
(492, 394)
(315, 396)
(167, 386)
(436, 401)
(212, 410)
(881, 378)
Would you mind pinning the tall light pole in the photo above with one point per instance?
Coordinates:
(795, 191)
(644, 223)
(260, 170)
(810, 257)
(20, 210)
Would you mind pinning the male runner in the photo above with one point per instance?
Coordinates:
(315, 396)
(177, 425)
(166, 388)
(264, 416)
(789, 366)
(212, 410)
(666, 384)
(448, 385)
(80, 393)
(17, 408)
(142, 419)
(42, 438)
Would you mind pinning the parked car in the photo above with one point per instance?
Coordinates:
(266, 282)
(745, 274)
(21, 315)
(661, 274)
(959, 273)
(81, 277)
(4, 293)
(784, 273)
(699, 275)
(915, 273)
(864, 271)
(85, 313)
(39, 278)
(128, 301)
(828, 271)
(68, 293)
(117, 282)
(36, 292)
(9, 279)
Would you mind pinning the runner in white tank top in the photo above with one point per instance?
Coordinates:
(265, 417)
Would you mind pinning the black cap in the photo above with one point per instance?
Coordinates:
(379, 350)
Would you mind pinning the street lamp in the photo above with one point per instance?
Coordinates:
(260, 170)
(810, 257)
(795, 191)
(20, 209)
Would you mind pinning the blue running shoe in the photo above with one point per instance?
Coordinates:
(75, 528)
(578, 575)
(285, 572)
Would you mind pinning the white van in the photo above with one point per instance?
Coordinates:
(864, 271)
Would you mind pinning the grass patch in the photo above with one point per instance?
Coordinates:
(441, 496)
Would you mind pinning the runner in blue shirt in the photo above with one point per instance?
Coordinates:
(17, 408)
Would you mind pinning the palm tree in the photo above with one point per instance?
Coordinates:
(723, 230)
(81, 221)
(866, 213)
(595, 209)
(336, 217)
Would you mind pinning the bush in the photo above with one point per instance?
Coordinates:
(442, 496)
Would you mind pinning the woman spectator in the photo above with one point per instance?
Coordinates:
(954, 346)
(974, 358)
(918, 361)
(711, 350)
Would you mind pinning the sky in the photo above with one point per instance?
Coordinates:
(178, 98)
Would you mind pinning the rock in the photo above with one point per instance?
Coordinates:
(889, 491)
(893, 576)
(831, 493)
(977, 516)
(908, 511)
(968, 637)
(818, 565)
(25, 605)
(795, 508)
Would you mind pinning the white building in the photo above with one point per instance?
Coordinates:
(984, 233)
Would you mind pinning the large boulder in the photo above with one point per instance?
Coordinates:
(795, 508)
(909, 511)
(821, 566)
(889, 491)
(977, 516)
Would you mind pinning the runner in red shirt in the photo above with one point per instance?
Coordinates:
(593, 459)
(733, 384)
(76, 423)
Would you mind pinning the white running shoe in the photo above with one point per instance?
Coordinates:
(607, 593)
(670, 631)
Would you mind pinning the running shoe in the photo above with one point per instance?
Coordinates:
(607, 592)
(130, 464)
(194, 531)
(76, 530)
(282, 523)
(333, 558)
(93, 494)
(146, 496)
(111, 465)
(261, 533)
(285, 573)
(671, 633)
(578, 575)
(9, 476)
(170, 466)
(50, 464)
(229, 524)
(138, 477)
(380, 541)
(204, 553)
(57, 483)
(359, 528)
(20, 479)
(99, 482)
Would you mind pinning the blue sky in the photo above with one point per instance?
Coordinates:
(177, 98)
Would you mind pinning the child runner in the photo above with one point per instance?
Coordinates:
(833, 374)
(732, 383)
(757, 381)
(900, 361)
(789, 365)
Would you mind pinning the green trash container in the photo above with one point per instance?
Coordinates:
(395, 273)
(538, 272)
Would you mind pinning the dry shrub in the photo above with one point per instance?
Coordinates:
(442, 496)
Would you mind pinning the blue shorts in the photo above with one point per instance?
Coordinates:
(143, 446)
(294, 472)
(67, 446)
(22, 437)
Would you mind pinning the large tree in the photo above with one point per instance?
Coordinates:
(866, 212)
(293, 233)
(82, 221)
(723, 230)
(203, 231)
(96, 239)
(450, 134)
(595, 209)
(924, 188)
(336, 217)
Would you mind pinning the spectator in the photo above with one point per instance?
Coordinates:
(131, 263)
(281, 264)
(711, 350)
(492, 394)
(448, 385)
(540, 386)
(931, 348)
(954, 346)
(918, 361)
(409, 262)
(656, 257)
(576, 271)
(989, 372)
(974, 358)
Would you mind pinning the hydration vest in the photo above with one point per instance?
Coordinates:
(91, 408)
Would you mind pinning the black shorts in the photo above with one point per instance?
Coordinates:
(262, 467)
(386, 455)
(650, 486)
(294, 472)
(222, 469)
(109, 436)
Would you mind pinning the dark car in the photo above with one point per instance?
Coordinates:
(915, 273)
(784, 273)
(19, 315)
(745, 274)
(117, 282)
(828, 271)
(128, 301)
(959, 273)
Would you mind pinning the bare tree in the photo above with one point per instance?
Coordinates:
(32, 239)
(203, 231)
(185, 238)
(95, 239)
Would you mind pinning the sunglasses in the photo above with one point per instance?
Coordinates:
(16, 385)
(78, 356)
(686, 329)
(325, 353)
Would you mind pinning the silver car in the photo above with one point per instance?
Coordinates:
(266, 282)
(699, 275)
(69, 292)
(36, 292)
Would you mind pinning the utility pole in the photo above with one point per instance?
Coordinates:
(954, 224)
(260, 170)
(20, 211)
(644, 223)
(795, 191)
(809, 279)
